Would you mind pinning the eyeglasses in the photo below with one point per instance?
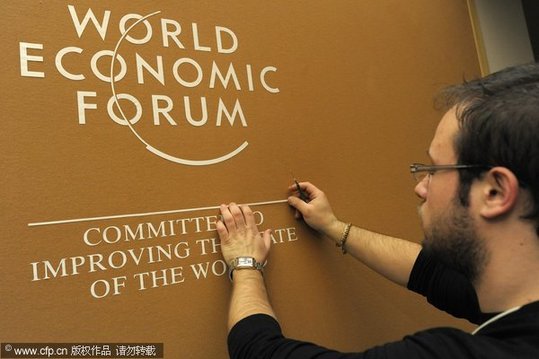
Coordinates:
(420, 171)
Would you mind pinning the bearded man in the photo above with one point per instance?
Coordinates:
(480, 215)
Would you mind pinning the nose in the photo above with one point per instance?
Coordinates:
(421, 188)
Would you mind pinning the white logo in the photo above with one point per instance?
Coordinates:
(153, 149)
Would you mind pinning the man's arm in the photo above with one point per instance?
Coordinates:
(240, 238)
(249, 297)
(394, 258)
(391, 257)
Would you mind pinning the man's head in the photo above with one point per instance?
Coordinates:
(499, 126)
(493, 122)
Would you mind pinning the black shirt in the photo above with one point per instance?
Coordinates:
(514, 335)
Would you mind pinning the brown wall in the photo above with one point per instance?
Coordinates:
(355, 84)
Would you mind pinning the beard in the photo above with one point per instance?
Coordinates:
(451, 238)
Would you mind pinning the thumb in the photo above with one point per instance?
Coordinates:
(267, 238)
(297, 203)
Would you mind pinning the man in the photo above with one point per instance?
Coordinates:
(480, 256)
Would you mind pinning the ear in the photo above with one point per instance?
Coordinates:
(499, 192)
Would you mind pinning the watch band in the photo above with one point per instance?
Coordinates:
(244, 263)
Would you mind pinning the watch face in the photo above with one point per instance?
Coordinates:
(245, 261)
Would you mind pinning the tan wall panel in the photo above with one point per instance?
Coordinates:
(354, 108)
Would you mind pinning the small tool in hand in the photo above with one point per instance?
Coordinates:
(302, 194)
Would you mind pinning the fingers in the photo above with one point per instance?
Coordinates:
(222, 232)
(228, 218)
(297, 203)
(237, 217)
(297, 200)
(267, 239)
(237, 214)
(249, 216)
(308, 188)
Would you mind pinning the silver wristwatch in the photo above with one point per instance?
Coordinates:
(244, 263)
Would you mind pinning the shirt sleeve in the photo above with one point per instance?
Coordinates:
(445, 288)
(259, 336)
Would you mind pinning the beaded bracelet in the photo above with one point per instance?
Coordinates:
(344, 237)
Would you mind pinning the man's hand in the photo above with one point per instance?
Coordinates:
(240, 236)
(317, 213)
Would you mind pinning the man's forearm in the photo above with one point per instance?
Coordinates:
(391, 257)
(249, 296)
